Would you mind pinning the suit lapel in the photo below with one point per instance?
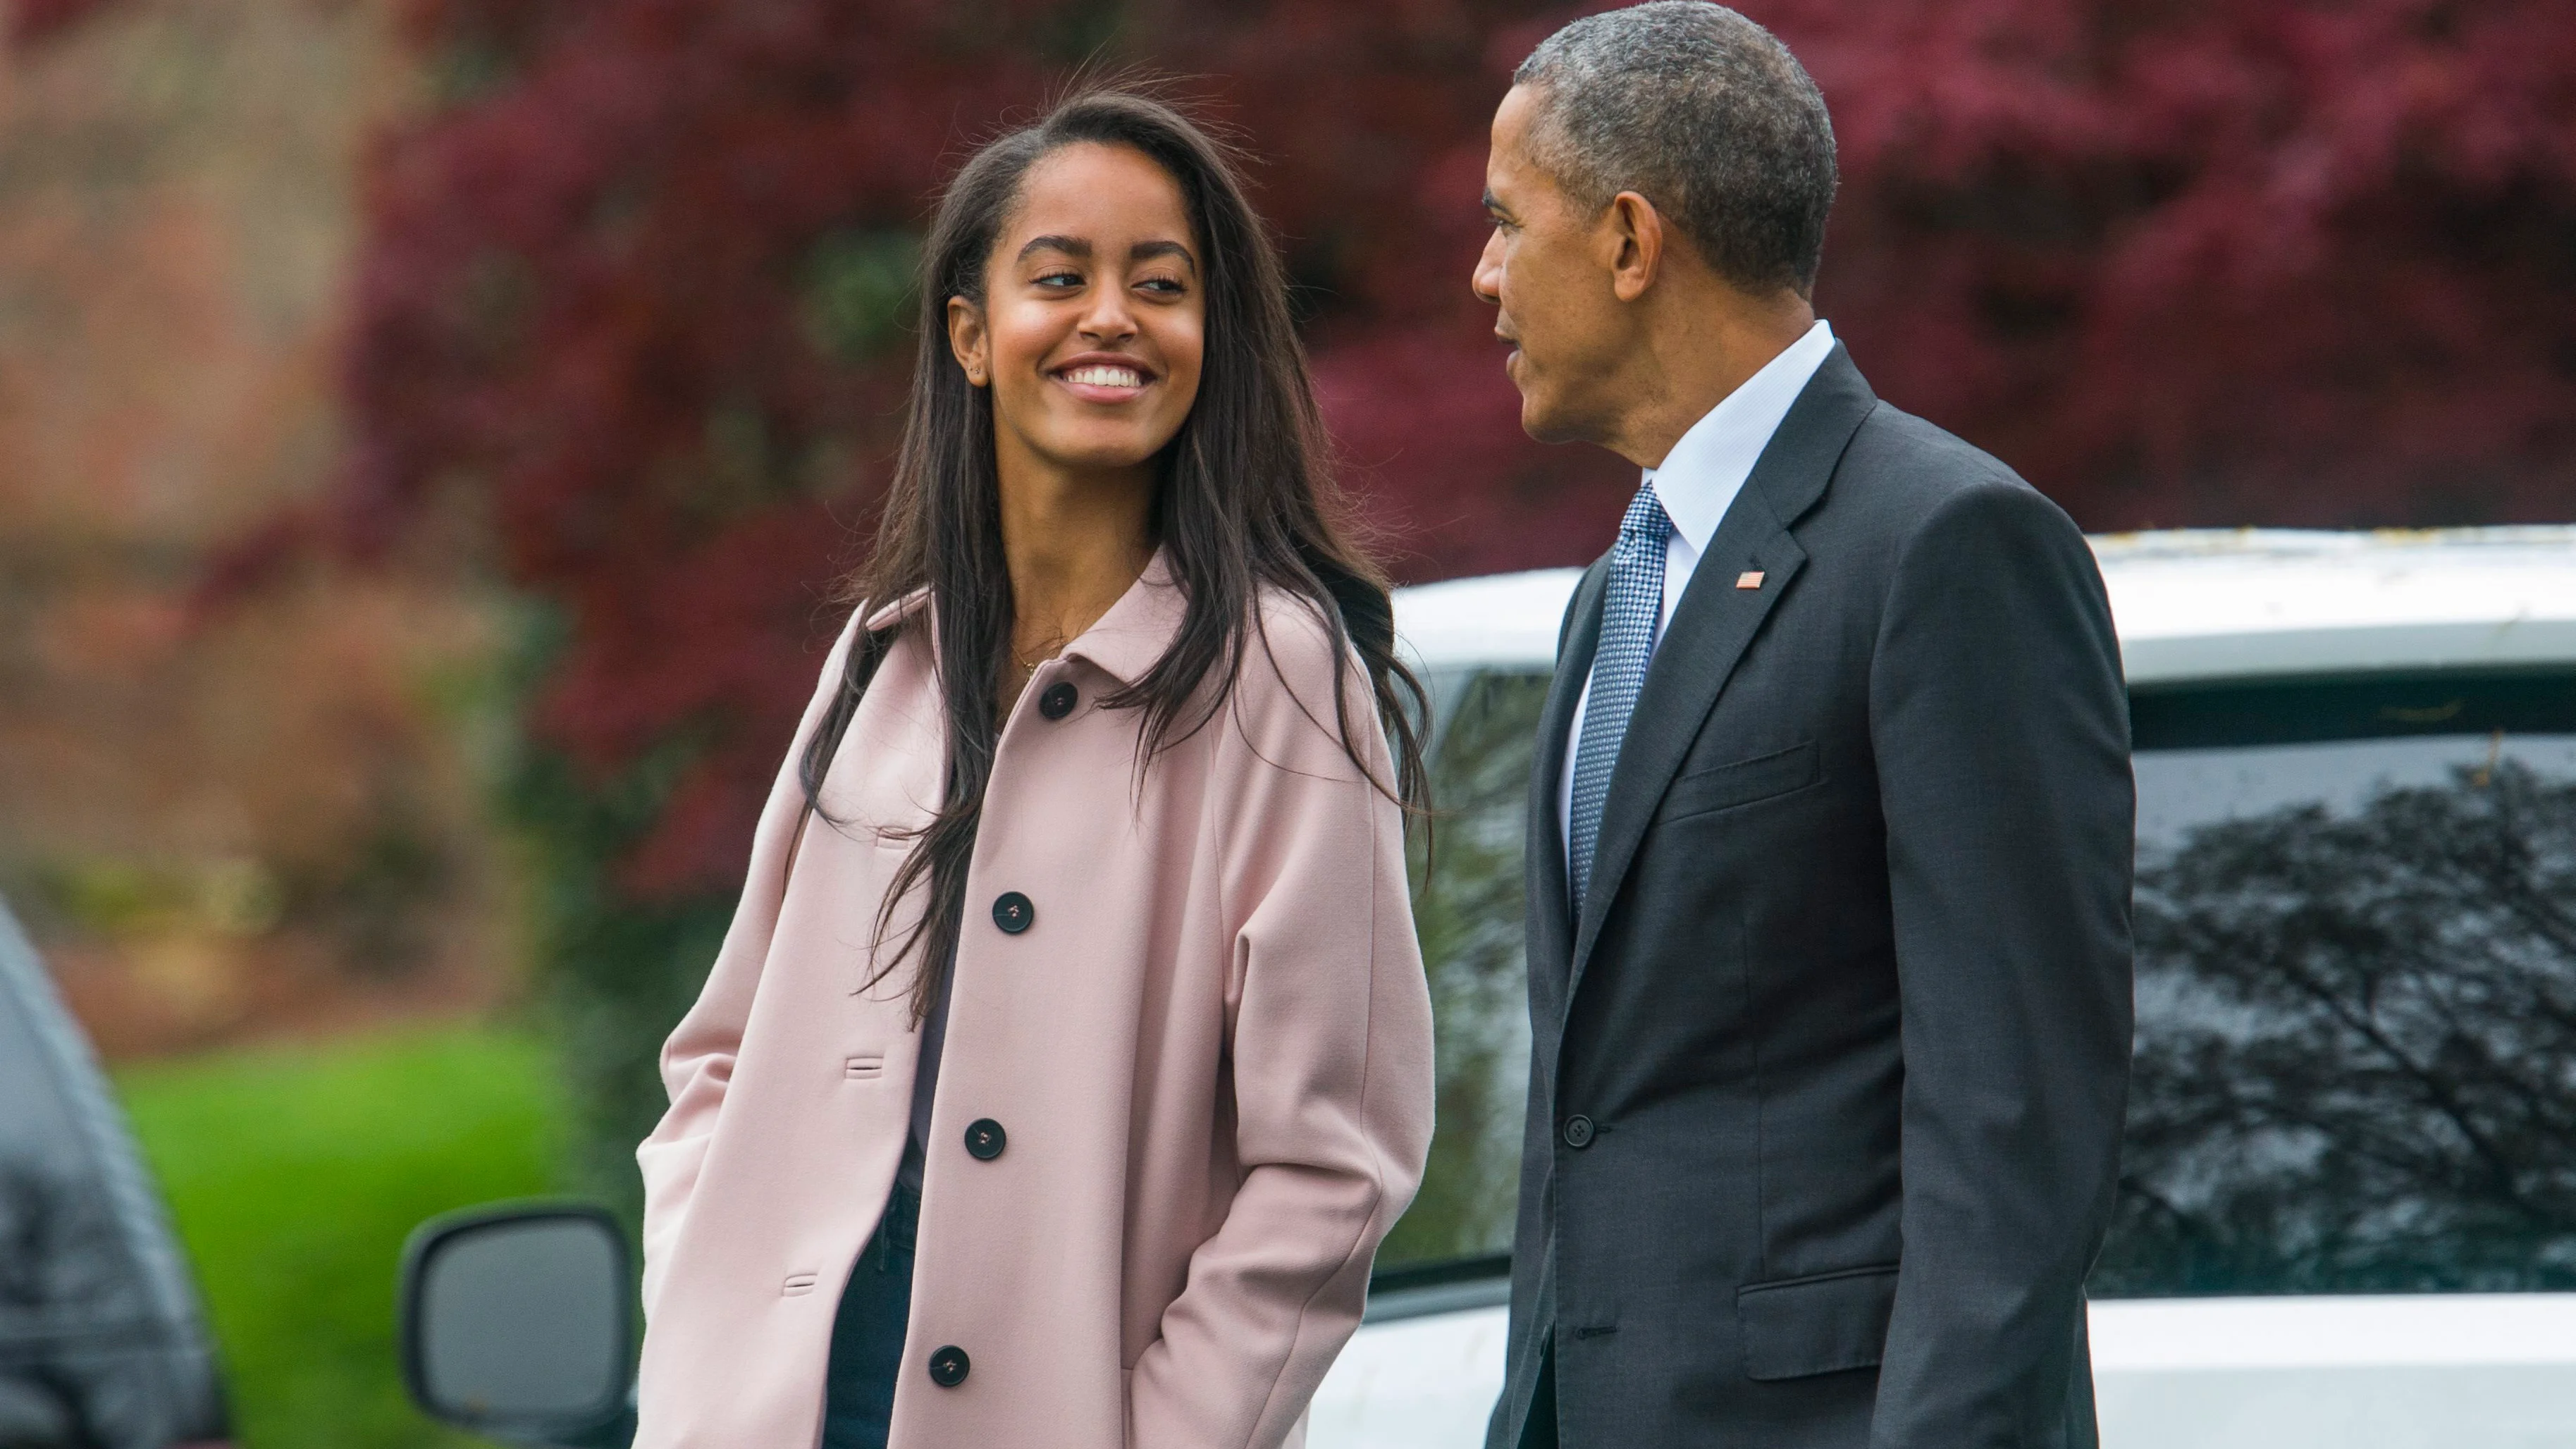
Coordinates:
(1714, 624)
(1550, 916)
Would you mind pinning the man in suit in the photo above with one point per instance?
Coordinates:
(1830, 830)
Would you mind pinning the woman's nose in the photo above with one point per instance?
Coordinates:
(1108, 319)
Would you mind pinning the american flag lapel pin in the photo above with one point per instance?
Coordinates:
(1749, 579)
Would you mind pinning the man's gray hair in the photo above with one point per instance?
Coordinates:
(1703, 113)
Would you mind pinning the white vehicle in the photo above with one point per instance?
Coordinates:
(2348, 1214)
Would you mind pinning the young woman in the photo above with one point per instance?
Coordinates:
(1070, 1051)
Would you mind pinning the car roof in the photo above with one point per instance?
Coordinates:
(2190, 604)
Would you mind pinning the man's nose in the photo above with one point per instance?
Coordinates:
(1487, 281)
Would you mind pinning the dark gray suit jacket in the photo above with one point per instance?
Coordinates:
(1827, 1079)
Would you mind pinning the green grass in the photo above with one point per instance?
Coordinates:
(295, 1173)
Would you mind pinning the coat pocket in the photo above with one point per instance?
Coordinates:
(1818, 1325)
(1723, 787)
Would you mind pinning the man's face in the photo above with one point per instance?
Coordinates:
(1546, 269)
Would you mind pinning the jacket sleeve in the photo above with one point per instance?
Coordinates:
(1331, 1063)
(2000, 725)
(697, 1059)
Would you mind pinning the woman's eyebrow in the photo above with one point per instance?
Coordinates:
(1072, 246)
(1145, 250)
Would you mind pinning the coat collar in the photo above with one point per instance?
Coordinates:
(918, 601)
(1126, 642)
(1133, 636)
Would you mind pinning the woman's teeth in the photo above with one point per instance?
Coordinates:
(1106, 376)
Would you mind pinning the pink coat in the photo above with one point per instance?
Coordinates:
(1211, 1053)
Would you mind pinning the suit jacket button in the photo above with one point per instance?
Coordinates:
(948, 1366)
(985, 1139)
(1058, 701)
(1578, 1131)
(1014, 912)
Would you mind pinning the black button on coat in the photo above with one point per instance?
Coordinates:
(1014, 912)
(985, 1139)
(948, 1366)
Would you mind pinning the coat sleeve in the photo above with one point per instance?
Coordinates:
(697, 1059)
(2000, 726)
(1331, 1062)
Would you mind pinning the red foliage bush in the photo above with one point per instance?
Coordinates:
(33, 20)
(2181, 261)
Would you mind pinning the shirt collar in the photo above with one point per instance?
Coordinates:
(1707, 468)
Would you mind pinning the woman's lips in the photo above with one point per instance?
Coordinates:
(1104, 382)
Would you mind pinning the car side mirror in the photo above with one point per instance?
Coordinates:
(518, 1324)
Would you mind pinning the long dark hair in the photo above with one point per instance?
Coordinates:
(1244, 500)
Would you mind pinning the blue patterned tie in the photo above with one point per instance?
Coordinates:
(1630, 617)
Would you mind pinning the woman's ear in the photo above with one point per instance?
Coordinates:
(967, 339)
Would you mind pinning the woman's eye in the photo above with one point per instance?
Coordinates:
(1060, 279)
(1166, 285)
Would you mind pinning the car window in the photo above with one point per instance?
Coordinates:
(1467, 908)
(2356, 926)
(2356, 919)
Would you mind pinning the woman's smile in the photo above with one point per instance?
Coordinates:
(1101, 379)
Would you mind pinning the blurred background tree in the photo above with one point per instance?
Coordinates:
(238, 831)
(636, 281)
(269, 819)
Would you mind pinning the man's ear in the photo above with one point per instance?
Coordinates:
(1632, 242)
(968, 340)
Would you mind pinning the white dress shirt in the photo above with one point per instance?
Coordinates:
(1699, 479)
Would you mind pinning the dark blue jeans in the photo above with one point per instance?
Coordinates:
(867, 1333)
